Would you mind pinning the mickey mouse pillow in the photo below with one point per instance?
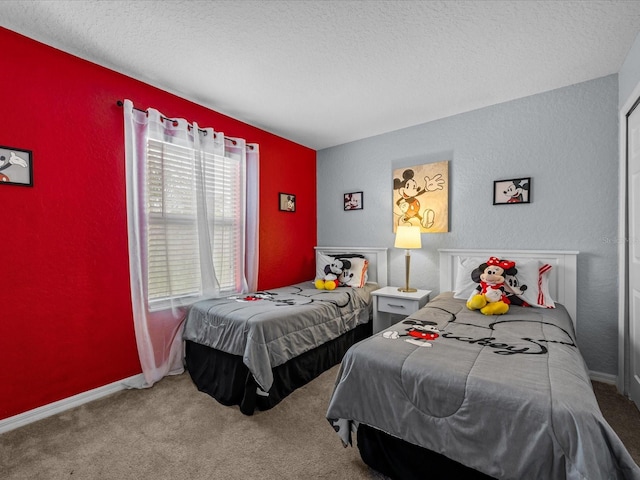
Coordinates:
(351, 269)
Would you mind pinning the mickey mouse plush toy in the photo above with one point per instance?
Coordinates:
(489, 296)
(335, 274)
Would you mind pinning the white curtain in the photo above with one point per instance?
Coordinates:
(189, 238)
(253, 221)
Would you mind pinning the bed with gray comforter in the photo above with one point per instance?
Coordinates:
(268, 328)
(508, 395)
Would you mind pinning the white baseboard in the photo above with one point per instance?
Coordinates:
(45, 411)
(603, 377)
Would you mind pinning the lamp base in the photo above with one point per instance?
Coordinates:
(408, 290)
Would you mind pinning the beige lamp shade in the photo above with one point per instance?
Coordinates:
(408, 236)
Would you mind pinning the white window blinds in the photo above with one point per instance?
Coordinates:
(178, 243)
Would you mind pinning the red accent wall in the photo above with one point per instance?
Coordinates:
(66, 325)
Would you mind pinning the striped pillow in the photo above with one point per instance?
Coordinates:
(533, 283)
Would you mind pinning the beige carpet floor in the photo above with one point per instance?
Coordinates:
(622, 414)
(172, 431)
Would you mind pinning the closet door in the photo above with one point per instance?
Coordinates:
(633, 178)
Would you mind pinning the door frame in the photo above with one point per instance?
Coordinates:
(623, 257)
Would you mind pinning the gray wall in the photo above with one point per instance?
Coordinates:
(566, 140)
(629, 75)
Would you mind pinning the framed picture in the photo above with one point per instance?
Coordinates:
(16, 167)
(507, 192)
(421, 197)
(353, 201)
(286, 202)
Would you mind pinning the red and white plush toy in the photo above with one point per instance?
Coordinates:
(489, 296)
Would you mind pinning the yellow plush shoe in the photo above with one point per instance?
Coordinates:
(476, 302)
(495, 308)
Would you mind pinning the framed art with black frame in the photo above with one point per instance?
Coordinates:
(513, 191)
(353, 201)
(286, 202)
(16, 167)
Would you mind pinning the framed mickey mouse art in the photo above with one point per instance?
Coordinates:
(353, 201)
(16, 167)
(509, 192)
(286, 202)
(421, 197)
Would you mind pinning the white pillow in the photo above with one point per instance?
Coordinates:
(464, 284)
(535, 275)
(356, 275)
(322, 261)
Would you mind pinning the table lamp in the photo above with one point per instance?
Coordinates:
(407, 237)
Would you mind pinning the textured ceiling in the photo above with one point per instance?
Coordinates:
(323, 73)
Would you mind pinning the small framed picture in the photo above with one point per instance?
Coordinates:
(16, 167)
(508, 192)
(353, 201)
(286, 202)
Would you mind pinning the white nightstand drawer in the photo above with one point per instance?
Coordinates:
(390, 300)
(401, 306)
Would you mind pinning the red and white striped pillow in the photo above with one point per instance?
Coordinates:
(535, 275)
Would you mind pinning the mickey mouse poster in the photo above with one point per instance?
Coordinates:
(421, 197)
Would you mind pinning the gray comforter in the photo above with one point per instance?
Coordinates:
(507, 395)
(270, 327)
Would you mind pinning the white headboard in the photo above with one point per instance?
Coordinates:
(377, 257)
(563, 279)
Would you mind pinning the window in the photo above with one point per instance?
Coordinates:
(178, 244)
(192, 224)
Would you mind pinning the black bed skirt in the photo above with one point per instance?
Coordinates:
(402, 460)
(227, 379)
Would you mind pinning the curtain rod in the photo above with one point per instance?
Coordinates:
(120, 103)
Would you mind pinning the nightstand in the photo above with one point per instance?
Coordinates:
(389, 300)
